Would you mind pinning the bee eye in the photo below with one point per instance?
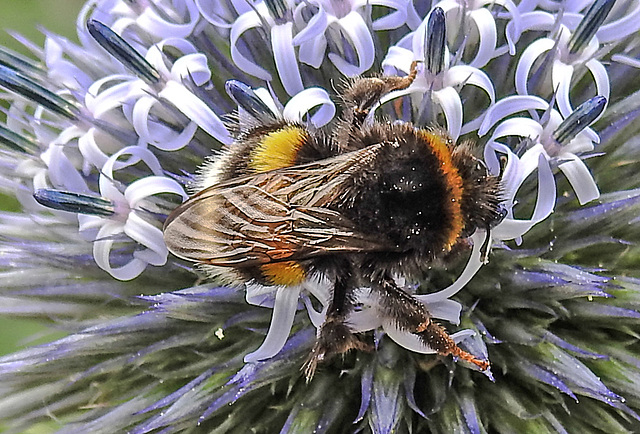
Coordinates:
(499, 216)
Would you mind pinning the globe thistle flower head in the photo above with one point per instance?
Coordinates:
(103, 138)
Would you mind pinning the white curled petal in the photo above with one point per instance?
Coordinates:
(463, 74)
(368, 317)
(415, 90)
(530, 55)
(102, 252)
(301, 104)
(67, 135)
(513, 172)
(156, 134)
(137, 153)
(574, 6)
(245, 22)
(580, 178)
(418, 42)
(40, 180)
(90, 149)
(516, 24)
(88, 222)
(486, 26)
(314, 29)
(120, 96)
(150, 185)
(312, 52)
(584, 135)
(474, 263)
(413, 18)
(511, 229)
(518, 169)
(545, 202)
(145, 234)
(156, 58)
(448, 310)
(451, 105)
(62, 71)
(151, 257)
(583, 142)
(398, 58)
(241, 6)
(182, 45)
(472, 125)
(106, 182)
(364, 320)
(626, 60)
(357, 31)
(196, 110)
(194, 66)
(61, 170)
(217, 14)
(537, 20)
(520, 127)
(628, 24)
(392, 20)
(260, 295)
(140, 117)
(320, 288)
(103, 96)
(157, 25)
(109, 191)
(462, 335)
(284, 56)
(284, 312)
(601, 79)
(491, 151)
(174, 141)
(120, 25)
(561, 74)
(532, 159)
(317, 318)
(267, 98)
(405, 339)
(509, 106)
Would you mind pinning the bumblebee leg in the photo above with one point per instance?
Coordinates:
(412, 315)
(335, 337)
(437, 338)
(365, 92)
(362, 94)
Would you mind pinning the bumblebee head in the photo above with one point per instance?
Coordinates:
(481, 192)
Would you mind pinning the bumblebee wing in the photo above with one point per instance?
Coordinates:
(268, 217)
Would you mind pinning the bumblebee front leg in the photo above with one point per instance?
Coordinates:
(363, 93)
(335, 337)
(412, 316)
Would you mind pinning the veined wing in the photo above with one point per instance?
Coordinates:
(280, 215)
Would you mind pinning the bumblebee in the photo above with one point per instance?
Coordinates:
(361, 203)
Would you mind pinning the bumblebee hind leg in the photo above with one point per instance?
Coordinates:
(412, 316)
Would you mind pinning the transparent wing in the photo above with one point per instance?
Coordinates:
(285, 214)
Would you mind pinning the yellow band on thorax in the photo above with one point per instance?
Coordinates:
(278, 149)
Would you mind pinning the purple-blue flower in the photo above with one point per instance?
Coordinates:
(103, 138)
